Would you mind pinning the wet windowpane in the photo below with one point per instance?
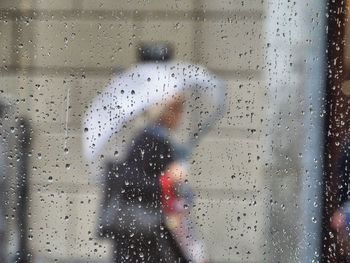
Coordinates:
(174, 131)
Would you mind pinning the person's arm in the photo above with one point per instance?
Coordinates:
(343, 178)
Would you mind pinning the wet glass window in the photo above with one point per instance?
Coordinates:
(174, 131)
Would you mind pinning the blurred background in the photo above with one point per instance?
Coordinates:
(259, 174)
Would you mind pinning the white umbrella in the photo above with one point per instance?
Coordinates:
(144, 86)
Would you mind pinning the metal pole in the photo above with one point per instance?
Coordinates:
(295, 40)
(311, 198)
(24, 138)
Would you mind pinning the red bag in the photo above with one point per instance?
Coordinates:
(168, 197)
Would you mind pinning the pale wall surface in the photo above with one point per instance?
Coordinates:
(57, 50)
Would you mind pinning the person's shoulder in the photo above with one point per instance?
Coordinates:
(152, 133)
(144, 135)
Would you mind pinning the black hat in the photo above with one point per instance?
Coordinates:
(155, 52)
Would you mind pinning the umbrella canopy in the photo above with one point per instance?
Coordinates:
(145, 86)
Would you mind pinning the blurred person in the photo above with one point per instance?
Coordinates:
(146, 203)
(139, 231)
(340, 220)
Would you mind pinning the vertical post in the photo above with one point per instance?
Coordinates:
(311, 196)
(295, 63)
(24, 141)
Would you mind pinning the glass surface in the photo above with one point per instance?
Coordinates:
(251, 132)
